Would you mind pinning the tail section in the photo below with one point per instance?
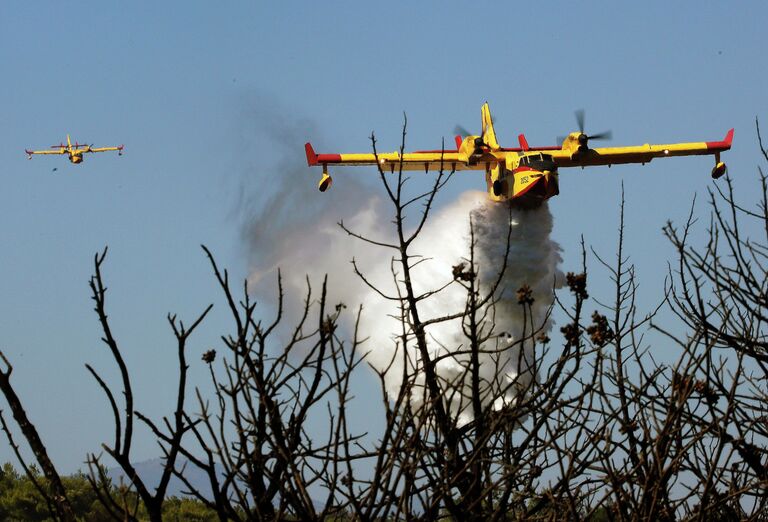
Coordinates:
(489, 135)
(69, 142)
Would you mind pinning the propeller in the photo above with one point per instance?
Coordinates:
(461, 131)
(579, 113)
(584, 138)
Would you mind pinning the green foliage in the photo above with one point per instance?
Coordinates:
(20, 501)
(187, 510)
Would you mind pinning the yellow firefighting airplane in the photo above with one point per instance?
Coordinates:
(526, 175)
(75, 151)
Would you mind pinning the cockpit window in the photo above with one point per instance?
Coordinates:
(538, 161)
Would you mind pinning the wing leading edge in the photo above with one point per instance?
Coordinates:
(390, 161)
(563, 156)
(59, 151)
(483, 153)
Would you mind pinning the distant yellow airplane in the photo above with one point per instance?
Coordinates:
(75, 151)
(526, 175)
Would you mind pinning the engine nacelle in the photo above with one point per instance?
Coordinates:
(575, 143)
(719, 170)
(470, 146)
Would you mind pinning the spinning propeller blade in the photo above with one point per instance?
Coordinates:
(584, 138)
(580, 119)
(461, 131)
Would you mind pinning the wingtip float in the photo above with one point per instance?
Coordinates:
(525, 174)
(75, 152)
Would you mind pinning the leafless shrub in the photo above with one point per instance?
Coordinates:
(592, 427)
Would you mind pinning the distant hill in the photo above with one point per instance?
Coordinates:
(151, 470)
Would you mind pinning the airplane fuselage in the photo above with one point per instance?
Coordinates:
(527, 179)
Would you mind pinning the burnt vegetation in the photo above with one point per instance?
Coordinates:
(604, 431)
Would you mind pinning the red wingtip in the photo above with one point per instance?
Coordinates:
(311, 156)
(721, 145)
(458, 142)
(729, 138)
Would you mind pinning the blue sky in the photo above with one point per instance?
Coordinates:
(183, 85)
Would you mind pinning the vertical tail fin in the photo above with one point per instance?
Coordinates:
(489, 135)
(69, 142)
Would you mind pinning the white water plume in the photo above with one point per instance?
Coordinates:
(321, 247)
(532, 260)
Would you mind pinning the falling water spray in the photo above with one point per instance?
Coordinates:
(322, 247)
(529, 260)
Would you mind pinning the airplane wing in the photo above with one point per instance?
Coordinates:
(390, 161)
(53, 151)
(636, 154)
(104, 149)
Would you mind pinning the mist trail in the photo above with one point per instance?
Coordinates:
(320, 246)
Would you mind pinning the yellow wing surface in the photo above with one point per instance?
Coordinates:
(56, 151)
(484, 153)
(76, 150)
(419, 160)
(573, 155)
(467, 158)
(104, 149)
